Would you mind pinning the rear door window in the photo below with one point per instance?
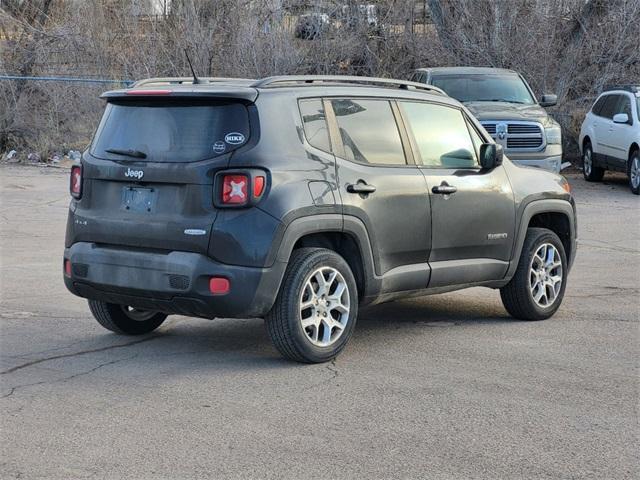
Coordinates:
(441, 135)
(315, 124)
(369, 131)
(176, 130)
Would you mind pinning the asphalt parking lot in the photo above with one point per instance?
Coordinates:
(440, 387)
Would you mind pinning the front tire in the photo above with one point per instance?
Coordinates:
(589, 170)
(633, 171)
(125, 320)
(536, 290)
(316, 309)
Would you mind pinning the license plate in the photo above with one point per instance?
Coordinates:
(139, 199)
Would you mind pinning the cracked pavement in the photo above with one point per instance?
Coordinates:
(439, 387)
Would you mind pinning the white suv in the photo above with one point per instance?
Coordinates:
(610, 135)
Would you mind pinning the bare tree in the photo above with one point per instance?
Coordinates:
(569, 47)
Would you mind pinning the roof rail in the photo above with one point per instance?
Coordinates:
(186, 80)
(629, 88)
(325, 80)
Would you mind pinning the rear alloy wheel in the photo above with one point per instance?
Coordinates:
(315, 312)
(536, 289)
(324, 306)
(125, 320)
(634, 172)
(589, 170)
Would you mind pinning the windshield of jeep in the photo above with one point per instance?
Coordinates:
(487, 88)
(170, 130)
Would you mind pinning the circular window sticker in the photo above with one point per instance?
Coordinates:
(234, 138)
(219, 147)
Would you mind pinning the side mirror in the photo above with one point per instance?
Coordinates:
(490, 155)
(548, 100)
(621, 118)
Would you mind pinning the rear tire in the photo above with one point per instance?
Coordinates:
(124, 320)
(589, 170)
(536, 290)
(316, 309)
(633, 171)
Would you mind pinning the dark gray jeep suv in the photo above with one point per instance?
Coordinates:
(300, 199)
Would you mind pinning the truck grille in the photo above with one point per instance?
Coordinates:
(524, 142)
(490, 128)
(517, 136)
(519, 128)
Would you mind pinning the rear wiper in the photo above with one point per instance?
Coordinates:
(128, 153)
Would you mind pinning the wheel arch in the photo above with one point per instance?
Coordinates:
(558, 223)
(633, 148)
(344, 245)
(556, 215)
(347, 236)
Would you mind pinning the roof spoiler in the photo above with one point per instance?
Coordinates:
(221, 91)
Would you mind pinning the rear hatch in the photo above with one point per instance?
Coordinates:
(148, 176)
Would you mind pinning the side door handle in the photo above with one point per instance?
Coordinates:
(444, 189)
(362, 187)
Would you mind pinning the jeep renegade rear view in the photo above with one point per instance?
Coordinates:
(301, 199)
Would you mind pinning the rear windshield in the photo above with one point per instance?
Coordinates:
(170, 130)
(485, 88)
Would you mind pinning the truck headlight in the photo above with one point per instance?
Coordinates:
(554, 135)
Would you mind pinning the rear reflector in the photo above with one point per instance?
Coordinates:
(75, 184)
(258, 186)
(234, 189)
(219, 285)
(148, 92)
(67, 268)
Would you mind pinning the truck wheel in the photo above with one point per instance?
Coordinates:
(589, 170)
(125, 320)
(315, 312)
(634, 172)
(535, 292)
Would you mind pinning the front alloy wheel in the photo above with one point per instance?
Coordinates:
(536, 289)
(634, 172)
(589, 170)
(545, 275)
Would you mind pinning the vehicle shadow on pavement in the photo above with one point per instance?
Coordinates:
(184, 346)
(233, 343)
(438, 308)
(227, 336)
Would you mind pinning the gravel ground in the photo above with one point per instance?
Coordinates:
(446, 386)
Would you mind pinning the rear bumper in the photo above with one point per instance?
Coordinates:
(173, 282)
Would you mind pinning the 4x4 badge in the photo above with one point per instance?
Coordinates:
(234, 138)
